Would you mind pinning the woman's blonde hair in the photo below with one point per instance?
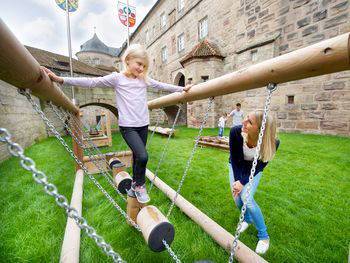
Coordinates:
(268, 145)
(136, 51)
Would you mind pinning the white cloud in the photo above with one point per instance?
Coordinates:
(40, 32)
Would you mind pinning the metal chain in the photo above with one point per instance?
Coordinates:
(40, 178)
(211, 99)
(171, 252)
(93, 158)
(271, 88)
(165, 147)
(154, 130)
(81, 165)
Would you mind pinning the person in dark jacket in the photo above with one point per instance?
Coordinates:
(243, 142)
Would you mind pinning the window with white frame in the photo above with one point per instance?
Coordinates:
(164, 54)
(181, 4)
(203, 28)
(254, 55)
(162, 20)
(181, 42)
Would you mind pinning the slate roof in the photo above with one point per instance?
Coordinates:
(96, 45)
(204, 49)
(61, 63)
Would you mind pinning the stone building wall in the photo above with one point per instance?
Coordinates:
(248, 32)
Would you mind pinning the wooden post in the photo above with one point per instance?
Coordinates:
(219, 234)
(78, 151)
(108, 128)
(71, 241)
(325, 57)
(133, 208)
(155, 228)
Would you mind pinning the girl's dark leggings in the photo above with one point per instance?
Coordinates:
(136, 138)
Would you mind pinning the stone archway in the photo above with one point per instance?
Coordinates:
(171, 111)
(113, 109)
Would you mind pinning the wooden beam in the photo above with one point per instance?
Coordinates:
(71, 241)
(218, 233)
(20, 69)
(328, 56)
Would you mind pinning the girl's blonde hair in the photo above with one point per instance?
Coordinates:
(268, 145)
(136, 51)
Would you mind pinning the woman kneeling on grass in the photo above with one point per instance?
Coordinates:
(243, 142)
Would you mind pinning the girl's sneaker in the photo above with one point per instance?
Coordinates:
(141, 193)
(244, 226)
(263, 246)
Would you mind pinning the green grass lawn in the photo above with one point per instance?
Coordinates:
(303, 194)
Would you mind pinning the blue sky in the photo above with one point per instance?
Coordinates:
(42, 24)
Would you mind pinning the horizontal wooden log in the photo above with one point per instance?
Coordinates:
(20, 69)
(218, 233)
(328, 56)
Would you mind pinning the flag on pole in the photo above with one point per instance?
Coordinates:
(72, 5)
(123, 11)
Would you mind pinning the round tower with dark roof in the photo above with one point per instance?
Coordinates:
(97, 54)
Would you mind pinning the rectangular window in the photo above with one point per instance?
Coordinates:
(181, 4)
(254, 55)
(162, 20)
(181, 42)
(203, 28)
(290, 99)
(164, 54)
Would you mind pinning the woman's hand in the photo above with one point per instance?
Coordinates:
(187, 87)
(237, 188)
(52, 75)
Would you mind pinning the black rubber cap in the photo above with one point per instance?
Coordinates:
(124, 185)
(116, 163)
(162, 231)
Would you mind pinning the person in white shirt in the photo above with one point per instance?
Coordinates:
(131, 100)
(237, 115)
(221, 124)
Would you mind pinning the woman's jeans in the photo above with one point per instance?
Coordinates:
(136, 138)
(221, 131)
(253, 212)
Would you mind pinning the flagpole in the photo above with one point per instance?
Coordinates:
(127, 17)
(69, 48)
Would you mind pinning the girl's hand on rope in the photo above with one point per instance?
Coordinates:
(187, 87)
(237, 188)
(52, 75)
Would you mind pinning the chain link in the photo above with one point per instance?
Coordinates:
(81, 165)
(271, 88)
(91, 154)
(39, 177)
(210, 102)
(171, 252)
(165, 147)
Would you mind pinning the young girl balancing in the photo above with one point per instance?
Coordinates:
(131, 99)
(243, 142)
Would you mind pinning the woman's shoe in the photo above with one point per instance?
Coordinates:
(263, 246)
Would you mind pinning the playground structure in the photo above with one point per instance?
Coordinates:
(102, 136)
(214, 141)
(24, 72)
